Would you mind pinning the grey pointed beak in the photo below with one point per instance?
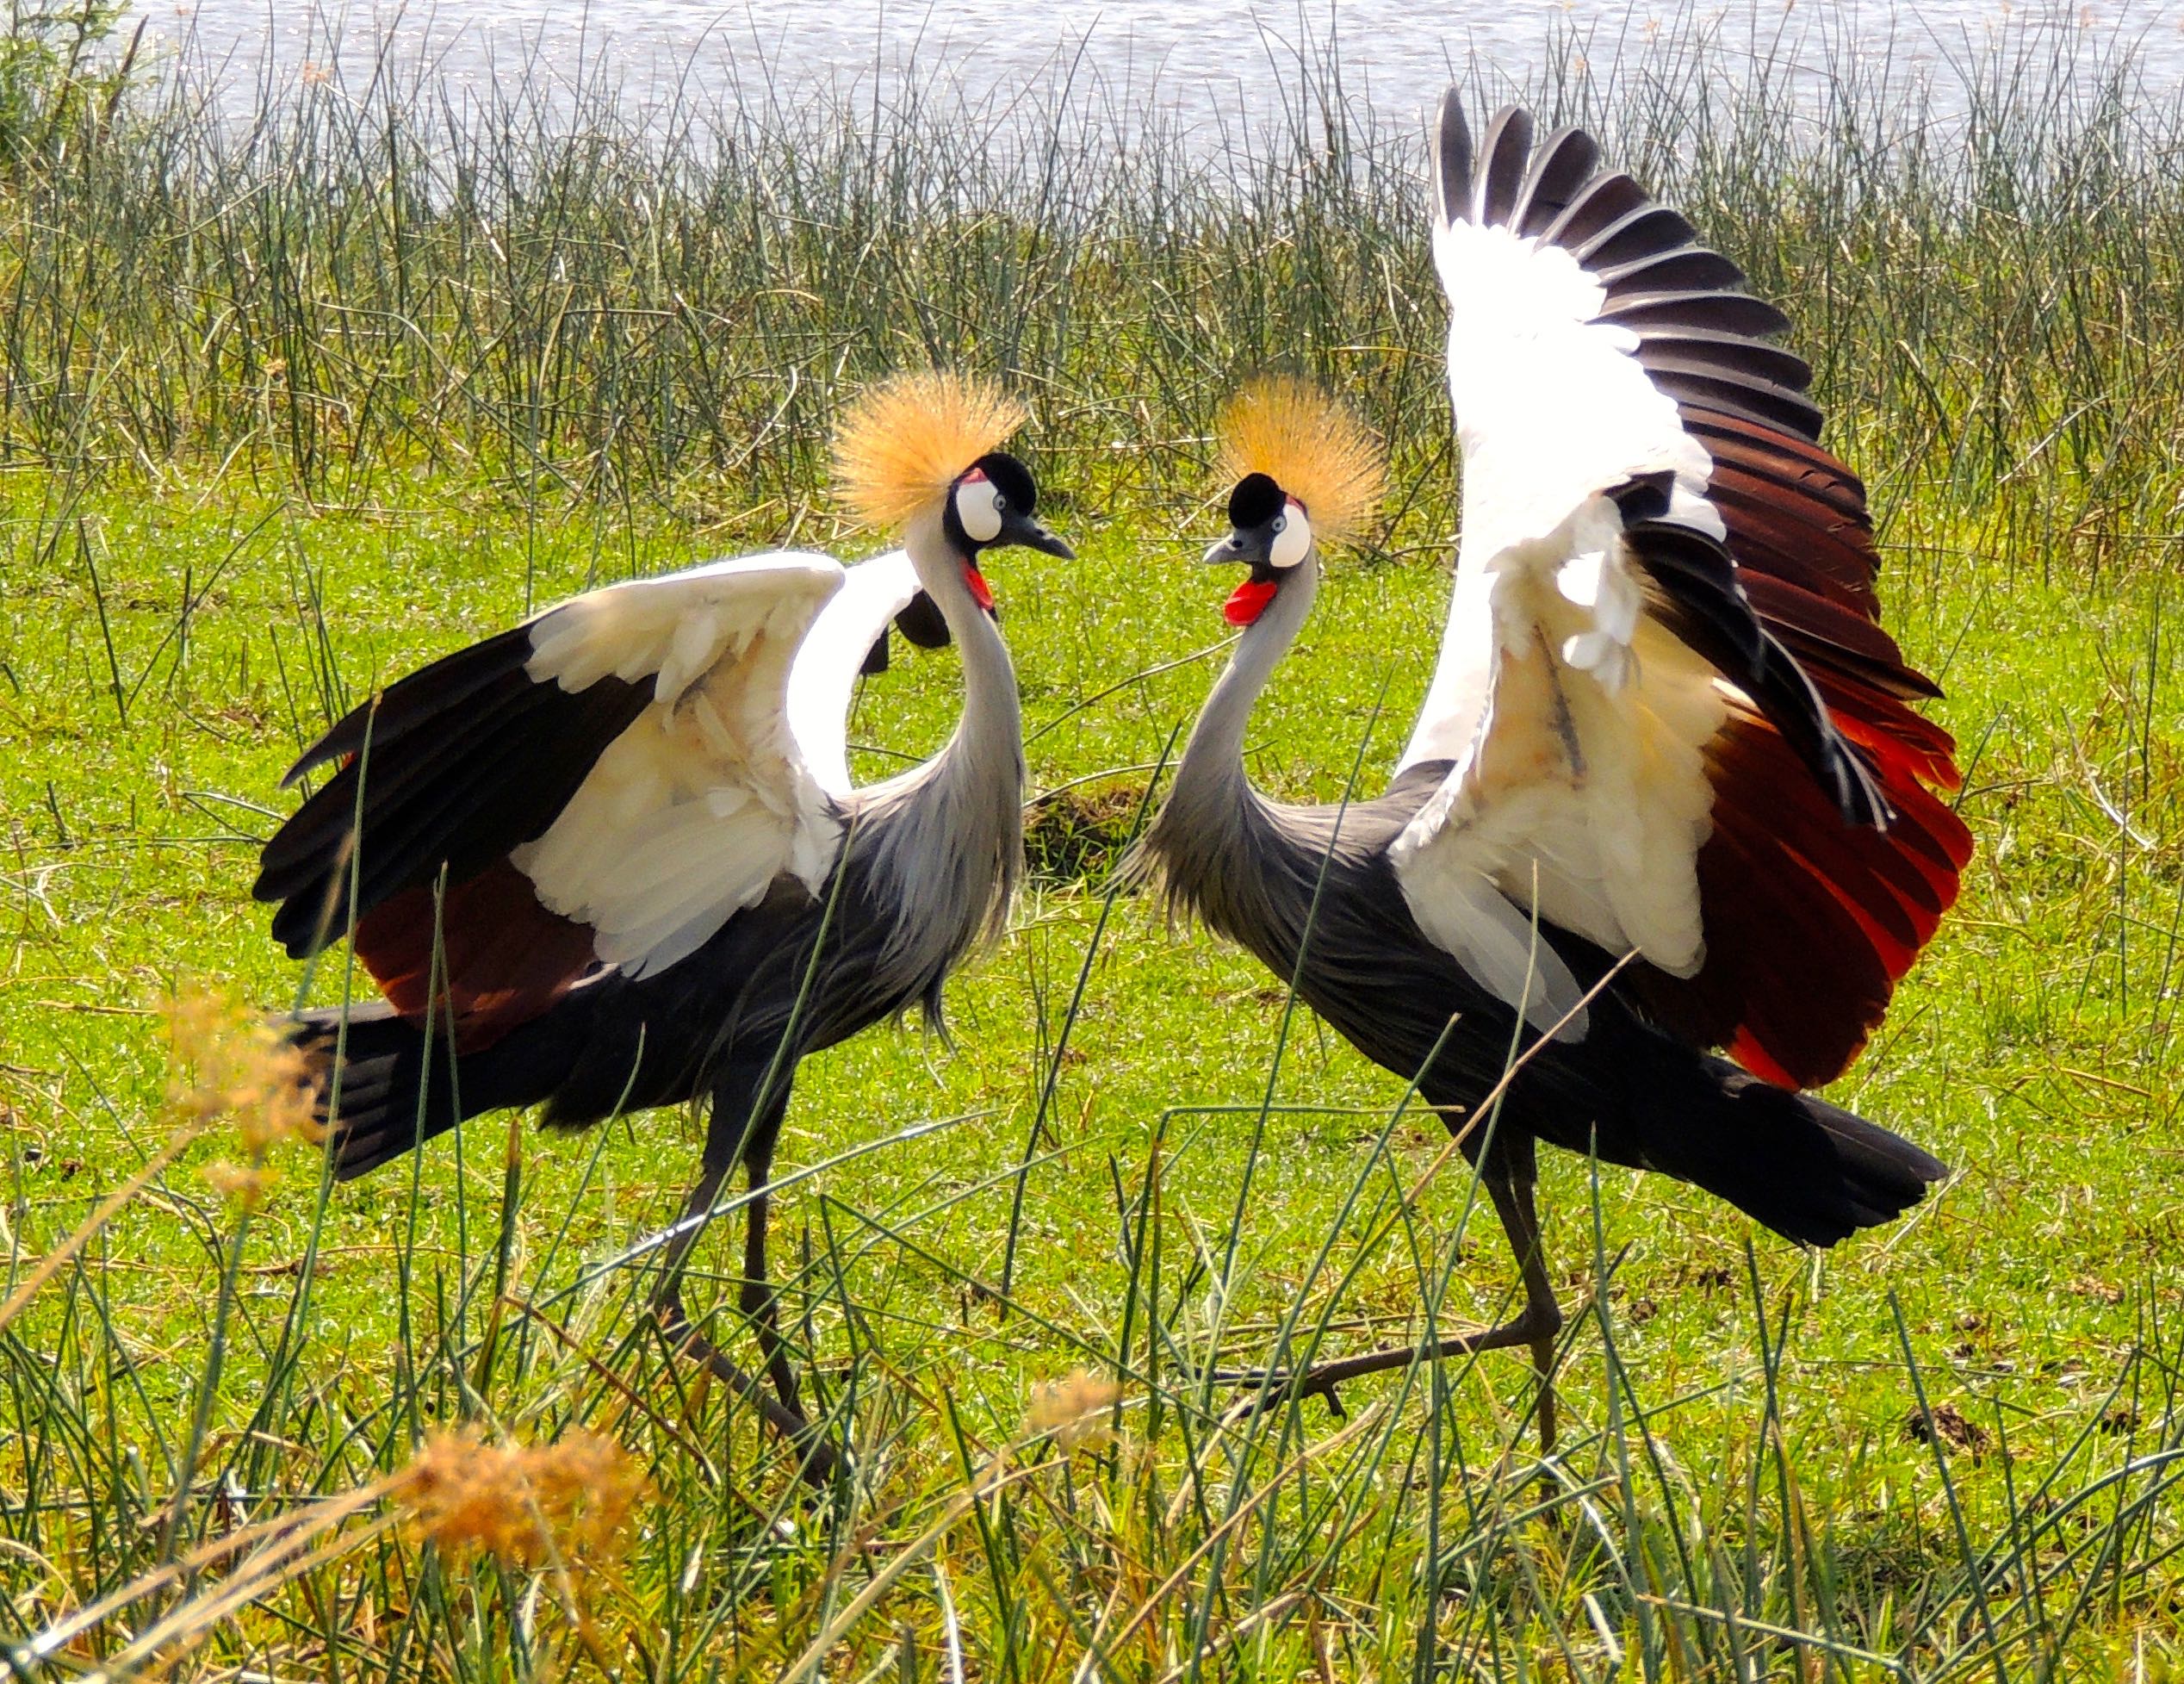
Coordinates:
(1033, 534)
(1243, 547)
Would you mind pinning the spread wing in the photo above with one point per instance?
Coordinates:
(604, 785)
(1671, 719)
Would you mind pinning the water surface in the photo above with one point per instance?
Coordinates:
(1207, 66)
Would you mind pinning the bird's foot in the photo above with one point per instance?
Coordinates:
(1268, 1389)
(1267, 1392)
(818, 1457)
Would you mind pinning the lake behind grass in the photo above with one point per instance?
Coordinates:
(1218, 71)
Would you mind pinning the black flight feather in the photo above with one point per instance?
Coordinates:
(1694, 267)
(1603, 201)
(488, 786)
(1737, 312)
(1733, 356)
(1647, 232)
(1452, 161)
(1566, 158)
(1507, 148)
(429, 693)
(922, 623)
(1749, 395)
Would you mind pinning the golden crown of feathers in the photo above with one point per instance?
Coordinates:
(1311, 445)
(903, 441)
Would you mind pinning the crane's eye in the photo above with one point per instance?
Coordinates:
(978, 505)
(1291, 536)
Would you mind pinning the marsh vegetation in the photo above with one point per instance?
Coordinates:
(289, 406)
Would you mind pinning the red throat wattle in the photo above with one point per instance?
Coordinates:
(981, 592)
(1248, 600)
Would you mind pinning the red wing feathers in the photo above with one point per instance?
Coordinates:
(1794, 513)
(1903, 746)
(504, 959)
(1809, 922)
(1829, 862)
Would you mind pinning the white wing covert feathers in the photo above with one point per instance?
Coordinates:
(824, 675)
(1569, 698)
(1672, 722)
(694, 810)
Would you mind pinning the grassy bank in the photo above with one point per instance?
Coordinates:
(289, 411)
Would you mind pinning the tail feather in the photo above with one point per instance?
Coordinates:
(380, 1095)
(1810, 1170)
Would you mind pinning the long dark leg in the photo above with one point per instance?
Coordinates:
(1542, 1316)
(1510, 1186)
(756, 1297)
(668, 1305)
(739, 1130)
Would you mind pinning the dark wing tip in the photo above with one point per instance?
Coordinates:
(337, 739)
(1644, 496)
(1504, 160)
(920, 621)
(1565, 160)
(305, 923)
(1803, 717)
(1451, 160)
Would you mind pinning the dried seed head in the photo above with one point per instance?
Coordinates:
(571, 1499)
(1073, 1410)
(244, 1185)
(225, 1061)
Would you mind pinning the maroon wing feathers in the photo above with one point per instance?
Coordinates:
(1809, 920)
(1810, 923)
(505, 958)
(439, 778)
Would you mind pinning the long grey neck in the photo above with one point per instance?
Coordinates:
(987, 748)
(1212, 772)
(948, 835)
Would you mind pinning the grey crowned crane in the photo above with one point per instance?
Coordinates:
(1667, 796)
(611, 859)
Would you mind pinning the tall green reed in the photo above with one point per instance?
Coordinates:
(588, 297)
(585, 307)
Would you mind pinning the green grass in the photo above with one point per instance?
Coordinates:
(201, 559)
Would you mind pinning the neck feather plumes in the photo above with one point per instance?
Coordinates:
(1202, 824)
(950, 835)
(1214, 756)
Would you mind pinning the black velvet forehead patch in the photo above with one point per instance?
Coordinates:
(1012, 479)
(1255, 500)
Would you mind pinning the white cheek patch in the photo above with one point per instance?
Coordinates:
(978, 508)
(1293, 540)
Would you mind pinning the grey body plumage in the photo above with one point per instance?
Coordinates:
(945, 840)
